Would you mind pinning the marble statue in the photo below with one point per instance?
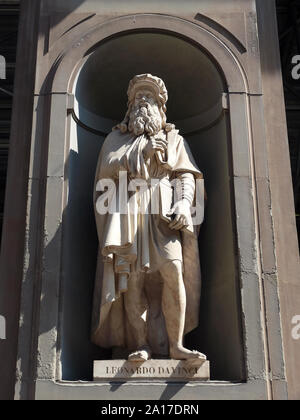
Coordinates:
(147, 287)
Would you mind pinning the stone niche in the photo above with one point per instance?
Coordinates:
(196, 105)
(210, 62)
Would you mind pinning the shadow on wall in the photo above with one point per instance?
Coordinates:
(75, 245)
(80, 249)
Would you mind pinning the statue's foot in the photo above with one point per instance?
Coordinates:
(140, 355)
(181, 353)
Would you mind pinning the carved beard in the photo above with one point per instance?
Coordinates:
(145, 119)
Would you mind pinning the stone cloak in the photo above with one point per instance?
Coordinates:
(123, 152)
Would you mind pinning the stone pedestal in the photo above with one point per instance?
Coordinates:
(171, 370)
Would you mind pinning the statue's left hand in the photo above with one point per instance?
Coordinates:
(180, 210)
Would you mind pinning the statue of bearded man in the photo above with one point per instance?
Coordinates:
(147, 287)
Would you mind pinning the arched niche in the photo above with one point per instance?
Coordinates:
(196, 88)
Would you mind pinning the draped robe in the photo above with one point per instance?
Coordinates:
(135, 243)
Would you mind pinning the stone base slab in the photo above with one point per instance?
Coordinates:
(171, 370)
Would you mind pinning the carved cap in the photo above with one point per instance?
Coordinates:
(143, 81)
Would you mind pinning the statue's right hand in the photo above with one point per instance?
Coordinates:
(153, 145)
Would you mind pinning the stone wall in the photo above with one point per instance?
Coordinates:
(258, 273)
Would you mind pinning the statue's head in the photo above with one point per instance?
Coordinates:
(146, 114)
